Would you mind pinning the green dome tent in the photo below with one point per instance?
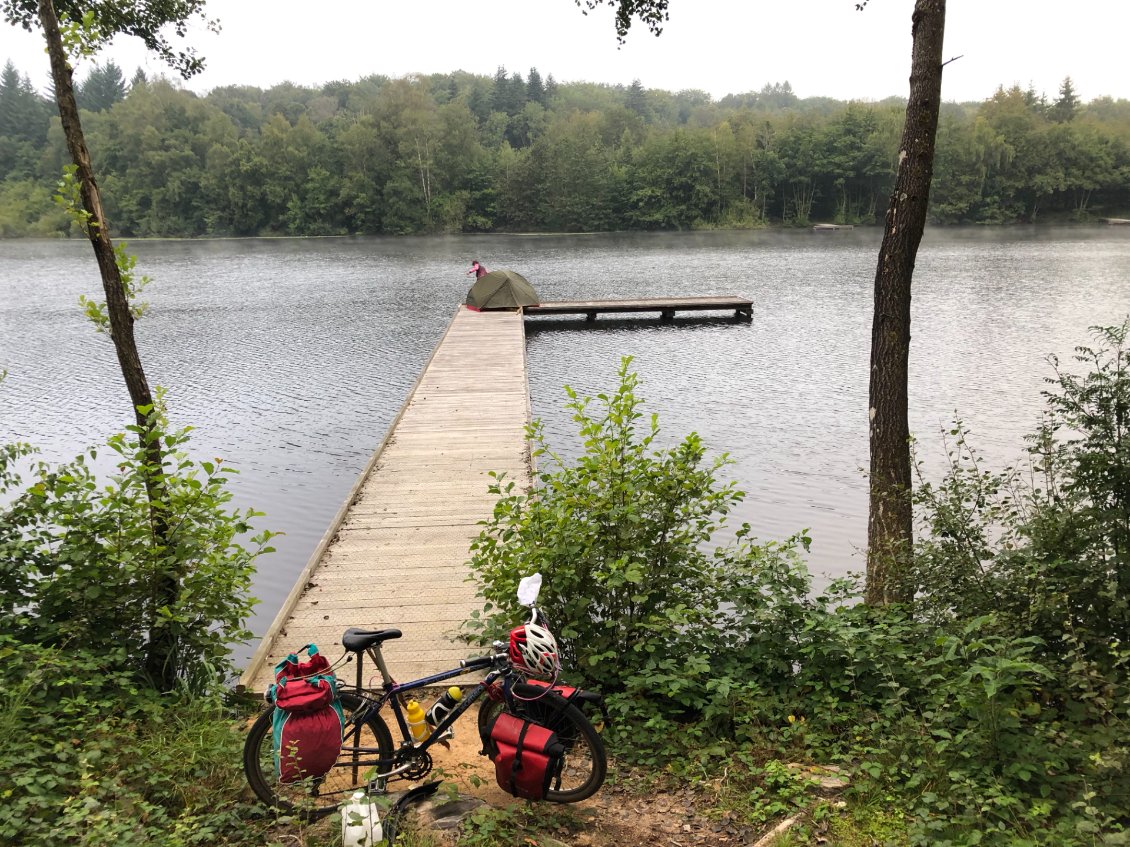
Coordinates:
(501, 290)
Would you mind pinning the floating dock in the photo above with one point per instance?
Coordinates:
(665, 306)
(395, 555)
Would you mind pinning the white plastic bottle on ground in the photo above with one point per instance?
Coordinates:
(360, 823)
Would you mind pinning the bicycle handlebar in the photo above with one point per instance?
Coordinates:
(482, 661)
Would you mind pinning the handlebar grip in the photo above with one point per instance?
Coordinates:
(477, 662)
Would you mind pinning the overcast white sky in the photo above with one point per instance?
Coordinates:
(822, 47)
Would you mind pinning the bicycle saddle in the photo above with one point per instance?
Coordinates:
(355, 640)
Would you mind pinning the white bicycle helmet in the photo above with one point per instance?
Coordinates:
(533, 649)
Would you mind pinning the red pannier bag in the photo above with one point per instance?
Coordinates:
(308, 718)
(589, 702)
(566, 691)
(527, 756)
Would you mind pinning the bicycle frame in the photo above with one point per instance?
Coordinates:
(392, 693)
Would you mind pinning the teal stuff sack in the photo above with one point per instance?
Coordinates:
(308, 719)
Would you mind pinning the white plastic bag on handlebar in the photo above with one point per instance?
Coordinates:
(528, 589)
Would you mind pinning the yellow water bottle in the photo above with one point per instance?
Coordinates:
(417, 720)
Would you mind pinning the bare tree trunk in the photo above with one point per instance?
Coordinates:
(803, 197)
(890, 519)
(1083, 199)
(423, 161)
(160, 665)
(718, 172)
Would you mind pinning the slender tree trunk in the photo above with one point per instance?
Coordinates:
(1083, 201)
(160, 664)
(890, 519)
(423, 160)
(718, 172)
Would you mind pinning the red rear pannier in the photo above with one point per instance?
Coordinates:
(527, 756)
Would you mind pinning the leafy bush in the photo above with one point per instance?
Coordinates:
(1047, 545)
(81, 564)
(621, 536)
(993, 711)
(1046, 548)
(91, 758)
(93, 754)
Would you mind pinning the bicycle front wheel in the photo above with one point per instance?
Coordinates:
(362, 741)
(586, 761)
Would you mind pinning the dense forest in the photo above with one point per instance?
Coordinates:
(463, 153)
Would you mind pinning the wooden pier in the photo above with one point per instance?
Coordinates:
(396, 553)
(665, 306)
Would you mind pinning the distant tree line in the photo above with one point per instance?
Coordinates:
(464, 153)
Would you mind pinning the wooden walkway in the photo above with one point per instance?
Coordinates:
(666, 306)
(396, 553)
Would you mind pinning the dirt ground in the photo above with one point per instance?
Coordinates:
(620, 815)
(616, 817)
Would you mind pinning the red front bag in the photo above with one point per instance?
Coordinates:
(527, 756)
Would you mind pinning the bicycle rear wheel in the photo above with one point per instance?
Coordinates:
(316, 797)
(586, 761)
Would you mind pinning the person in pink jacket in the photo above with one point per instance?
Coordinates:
(477, 269)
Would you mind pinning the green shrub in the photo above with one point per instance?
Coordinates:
(993, 711)
(81, 564)
(1041, 755)
(91, 758)
(1046, 545)
(642, 605)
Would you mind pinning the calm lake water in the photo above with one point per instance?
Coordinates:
(291, 357)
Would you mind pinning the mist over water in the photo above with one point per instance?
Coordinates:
(291, 357)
